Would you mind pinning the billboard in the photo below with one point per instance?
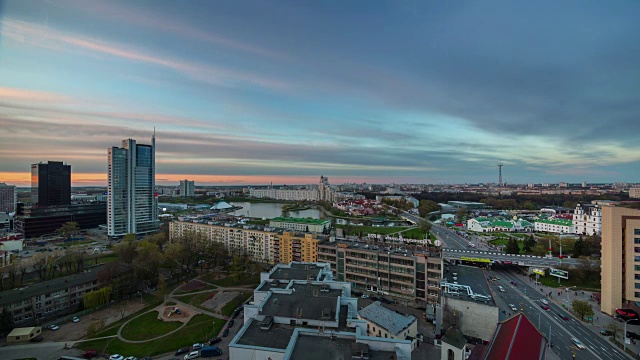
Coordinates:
(538, 271)
(558, 273)
(464, 258)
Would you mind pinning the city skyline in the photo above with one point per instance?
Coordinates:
(253, 93)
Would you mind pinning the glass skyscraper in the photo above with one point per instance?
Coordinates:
(131, 204)
(50, 184)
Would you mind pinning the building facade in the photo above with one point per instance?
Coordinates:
(298, 224)
(555, 226)
(37, 221)
(50, 184)
(587, 220)
(320, 192)
(7, 198)
(634, 192)
(187, 188)
(407, 275)
(131, 203)
(620, 258)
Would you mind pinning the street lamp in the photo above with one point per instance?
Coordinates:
(567, 290)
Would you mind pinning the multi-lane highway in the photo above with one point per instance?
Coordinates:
(527, 299)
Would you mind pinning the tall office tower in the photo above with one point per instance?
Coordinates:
(51, 184)
(7, 198)
(620, 258)
(187, 188)
(131, 201)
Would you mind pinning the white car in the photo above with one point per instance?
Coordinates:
(54, 327)
(513, 307)
(116, 357)
(544, 302)
(364, 296)
(501, 288)
(191, 355)
(75, 319)
(578, 343)
(197, 346)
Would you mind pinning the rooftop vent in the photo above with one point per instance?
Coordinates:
(326, 314)
(267, 323)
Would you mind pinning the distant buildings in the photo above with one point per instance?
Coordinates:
(50, 184)
(634, 192)
(131, 202)
(298, 224)
(498, 224)
(7, 198)
(620, 259)
(320, 192)
(187, 188)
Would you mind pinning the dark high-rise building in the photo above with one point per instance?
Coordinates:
(51, 184)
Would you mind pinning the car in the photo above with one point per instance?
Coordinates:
(544, 307)
(230, 324)
(75, 319)
(36, 339)
(225, 333)
(90, 354)
(182, 351)
(116, 357)
(513, 307)
(606, 332)
(196, 346)
(54, 327)
(215, 340)
(191, 355)
(131, 358)
(501, 288)
(563, 317)
(384, 300)
(578, 343)
(544, 302)
(364, 296)
(632, 335)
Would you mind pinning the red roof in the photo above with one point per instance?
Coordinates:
(516, 338)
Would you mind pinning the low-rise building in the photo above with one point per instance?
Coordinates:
(299, 224)
(23, 334)
(498, 224)
(634, 192)
(555, 226)
(382, 322)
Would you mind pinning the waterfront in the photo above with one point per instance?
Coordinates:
(271, 210)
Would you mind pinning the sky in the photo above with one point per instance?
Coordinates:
(253, 92)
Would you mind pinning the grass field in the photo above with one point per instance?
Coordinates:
(504, 242)
(195, 299)
(112, 329)
(552, 281)
(147, 327)
(228, 308)
(238, 280)
(414, 233)
(199, 329)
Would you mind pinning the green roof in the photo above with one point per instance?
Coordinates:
(300, 220)
(556, 222)
(506, 224)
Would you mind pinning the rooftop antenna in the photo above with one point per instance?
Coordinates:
(500, 174)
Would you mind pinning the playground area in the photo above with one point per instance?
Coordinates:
(173, 313)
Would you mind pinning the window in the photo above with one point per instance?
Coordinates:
(636, 241)
(636, 258)
(636, 231)
(637, 285)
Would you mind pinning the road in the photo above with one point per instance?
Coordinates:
(527, 299)
(524, 260)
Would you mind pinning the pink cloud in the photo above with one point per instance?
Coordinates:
(30, 95)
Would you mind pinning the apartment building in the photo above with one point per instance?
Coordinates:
(187, 188)
(620, 259)
(396, 272)
(7, 198)
(587, 219)
(320, 192)
(634, 192)
(299, 224)
(45, 301)
(265, 244)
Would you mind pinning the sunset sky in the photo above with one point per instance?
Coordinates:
(252, 92)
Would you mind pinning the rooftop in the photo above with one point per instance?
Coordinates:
(11, 296)
(454, 337)
(307, 302)
(471, 277)
(300, 220)
(390, 320)
(560, 222)
(296, 272)
(272, 284)
(516, 338)
(315, 347)
(277, 337)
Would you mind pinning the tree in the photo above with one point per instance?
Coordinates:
(427, 206)
(69, 228)
(528, 243)
(130, 237)
(6, 321)
(425, 227)
(615, 328)
(539, 250)
(461, 214)
(512, 246)
(580, 248)
(582, 308)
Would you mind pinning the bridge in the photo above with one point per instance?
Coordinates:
(515, 259)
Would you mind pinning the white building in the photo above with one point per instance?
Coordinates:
(587, 220)
(634, 192)
(555, 226)
(187, 188)
(482, 224)
(131, 203)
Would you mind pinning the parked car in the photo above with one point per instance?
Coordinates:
(215, 340)
(230, 324)
(90, 354)
(75, 319)
(563, 317)
(196, 346)
(632, 335)
(131, 358)
(191, 355)
(182, 351)
(225, 333)
(364, 296)
(36, 339)
(116, 357)
(54, 327)
(208, 351)
(384, 300)
(606, 332)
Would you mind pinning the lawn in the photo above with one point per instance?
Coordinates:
(112, 329)
(199, 329)
(552, 281)
(238, 280)
(228, 308)
(383, 230)
(414, 233)
(195, 299)
(148, 326)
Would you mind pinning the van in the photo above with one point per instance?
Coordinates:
(208, 351)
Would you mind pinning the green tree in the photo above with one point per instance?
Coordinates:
(580, 248)
(582, 308)
(461, 214)
(512, 246)
(425, 227)
(69, 228)
(6, 321)
(130, 237)
(615, 328)
(539, 250)
(427, 206)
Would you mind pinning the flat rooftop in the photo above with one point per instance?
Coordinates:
(381, 247)
(297, 272)
(44, 287)
(300, 220)
(314, 347)
(307, 302)
(470, 276)
(273, 284)
(277, 337)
